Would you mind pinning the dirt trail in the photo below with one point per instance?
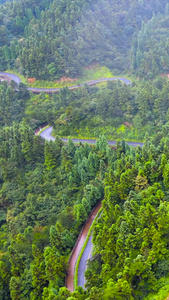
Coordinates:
(78, 247)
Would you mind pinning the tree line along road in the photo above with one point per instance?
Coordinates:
(47, 135)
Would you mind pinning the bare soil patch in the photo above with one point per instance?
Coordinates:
(165, 75)
(66, 79)
(93, 66)
(5, 78)
(31, 80)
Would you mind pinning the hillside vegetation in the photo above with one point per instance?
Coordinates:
(48, 189)
(48, 39)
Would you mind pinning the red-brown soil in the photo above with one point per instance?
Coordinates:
(31, 80)
(66, 79)
(165, 75)
(93, 66)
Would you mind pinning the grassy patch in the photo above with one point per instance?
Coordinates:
(51, 84)
(40, 131)
(95, 73)
(110, 132)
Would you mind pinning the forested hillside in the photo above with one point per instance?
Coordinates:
(131, 238)
(47, 39)
(48, 189)
(150, 54)
(47, 192)
(3, 1)
(116, 111)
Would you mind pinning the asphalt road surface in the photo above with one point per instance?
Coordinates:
(83, 262)
(47, 135)
(56, 90)
(11, 76)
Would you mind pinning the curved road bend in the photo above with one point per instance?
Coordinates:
(11, 76)
(47, 135)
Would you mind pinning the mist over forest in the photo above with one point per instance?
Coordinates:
(49, 188)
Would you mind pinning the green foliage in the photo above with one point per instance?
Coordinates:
(131, 236)
(42, 209)
(48, 39)
(150, 47)
(47, 189)
(12, 104)
(47, 199)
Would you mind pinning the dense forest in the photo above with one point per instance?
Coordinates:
(48, 189)
(47, 39)
(47, 192)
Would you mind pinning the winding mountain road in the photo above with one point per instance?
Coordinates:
(47, 135)
(10, 76)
